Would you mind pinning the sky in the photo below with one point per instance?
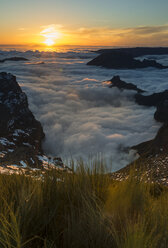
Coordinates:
(89, 22)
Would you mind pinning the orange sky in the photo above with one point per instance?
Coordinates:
(89, 22)
(104, 36)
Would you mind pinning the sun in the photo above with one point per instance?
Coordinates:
(49, 42)
(51, 35)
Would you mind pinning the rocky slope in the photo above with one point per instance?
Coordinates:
(21, 135)
(153, 154)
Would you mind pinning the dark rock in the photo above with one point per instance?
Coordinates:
(161, 113)
(123, 60)
(160, 100)
(117, 82)
(152, 100)
(152, 164)
(21, 134)
(156, 146)
(13, 59)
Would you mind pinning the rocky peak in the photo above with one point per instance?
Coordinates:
(8, 84)
(21, 135)
(117, 82)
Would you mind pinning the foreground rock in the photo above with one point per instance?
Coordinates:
(123, 60)
(13, 59)
(152, 165)
(117, 82)
(21, 135)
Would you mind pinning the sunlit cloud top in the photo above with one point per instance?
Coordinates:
(51, 34)
(51, 31)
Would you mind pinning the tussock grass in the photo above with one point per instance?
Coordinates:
(83, 209)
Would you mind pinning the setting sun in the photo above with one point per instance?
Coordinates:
(49, 42)
(51, 34)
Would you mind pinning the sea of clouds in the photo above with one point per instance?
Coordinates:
(80, 115)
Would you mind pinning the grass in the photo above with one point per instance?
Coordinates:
(84, 209)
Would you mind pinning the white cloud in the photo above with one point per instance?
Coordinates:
(51, 31)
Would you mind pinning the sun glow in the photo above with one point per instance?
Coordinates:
(49, 42)
(51, 34)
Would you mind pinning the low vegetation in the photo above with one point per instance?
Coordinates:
(84, 209)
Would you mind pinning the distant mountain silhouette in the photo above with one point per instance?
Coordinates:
(138, 51)
(13, 59)
(114, 59)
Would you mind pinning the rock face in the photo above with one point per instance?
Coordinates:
(156, 146)
(161, 113)
(152, 100)
(13, 59)
(117, 82)
(152, 165)
(153, 160)
(123, 60)
(21, 134)
(160, 100)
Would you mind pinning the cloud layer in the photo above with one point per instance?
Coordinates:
(80, 115)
